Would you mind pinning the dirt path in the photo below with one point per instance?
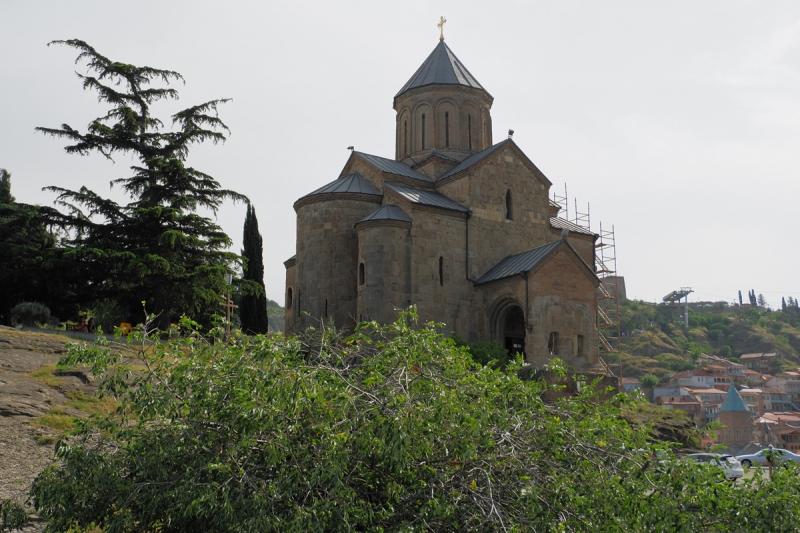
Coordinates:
(25, 448)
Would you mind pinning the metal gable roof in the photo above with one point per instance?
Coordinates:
(430, 198)
(351, 183)
(474, 158)
(442, 67)
(561, 223)
(393, 167)
(387, 212)
(516, 264)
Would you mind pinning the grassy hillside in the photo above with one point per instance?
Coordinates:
(655, 342)
(276, 315)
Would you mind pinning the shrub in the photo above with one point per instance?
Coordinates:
(30, 313)
(649, 380)
(486, 352)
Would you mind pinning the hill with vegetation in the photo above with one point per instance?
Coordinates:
(655, 340)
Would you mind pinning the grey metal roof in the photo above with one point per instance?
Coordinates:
(474, 158)
(561, 223)
(351, 183)
(733, 402)
(516, 264)
(554, 204)
(393, 167)
(443, 68)
(387, 212)
(431, 198)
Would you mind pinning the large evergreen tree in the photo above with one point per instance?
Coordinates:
(31, 268)
(156, 249)
(253, 308)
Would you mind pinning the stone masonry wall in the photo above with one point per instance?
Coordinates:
(492, 236)
(327, 260)
(383, 249)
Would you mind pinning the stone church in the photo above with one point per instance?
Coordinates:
(455, 224)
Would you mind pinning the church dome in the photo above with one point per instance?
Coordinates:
(442, 109)
(441, 68)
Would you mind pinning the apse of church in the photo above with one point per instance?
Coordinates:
(454, 224)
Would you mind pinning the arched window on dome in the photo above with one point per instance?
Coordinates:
(405, 137)
(509, 206)
(423, 131)
(447, 129)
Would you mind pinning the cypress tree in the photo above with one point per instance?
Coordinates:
(253, 308)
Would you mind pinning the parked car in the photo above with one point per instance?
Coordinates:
(729, 465)
(760, 458)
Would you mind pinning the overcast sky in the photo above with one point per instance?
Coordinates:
(676, 123)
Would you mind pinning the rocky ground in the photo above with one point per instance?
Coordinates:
(28, 390)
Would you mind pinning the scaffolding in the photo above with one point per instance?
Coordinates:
(608, 315)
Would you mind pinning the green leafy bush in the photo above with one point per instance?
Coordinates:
(392, 429)
(30, 314)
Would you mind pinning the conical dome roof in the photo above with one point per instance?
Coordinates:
(733, 402)
(441, 68)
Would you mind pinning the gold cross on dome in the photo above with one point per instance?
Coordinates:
(442, 20)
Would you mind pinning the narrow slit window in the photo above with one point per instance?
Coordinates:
(423, 131)
(361, 274)
(469, 131)
(447, 129)
(552, 343)
(441, 271)
(509, 207)
(405, 137)
(289, 298)
(326, 308)
(579, 345)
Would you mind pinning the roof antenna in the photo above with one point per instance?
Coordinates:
(510, 133)
(350, 148)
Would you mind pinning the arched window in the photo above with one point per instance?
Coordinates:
(423, 131)
(469, 130)
(579, 345)
(552, 343)
(361, 274)
(441, 271)
(405, 137)
(289, 298)
(509, 207)
(447, 129)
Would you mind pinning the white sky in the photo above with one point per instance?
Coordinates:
(678, 122)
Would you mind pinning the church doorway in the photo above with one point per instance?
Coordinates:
(514, 331)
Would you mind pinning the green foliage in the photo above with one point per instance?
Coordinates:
(156, 248)
(392, 429)
(485, 353)
(253, 307)
(31, 268)
(12, 515)
(108, 314)
(649, 380)
(30, 314)
(5, 187)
